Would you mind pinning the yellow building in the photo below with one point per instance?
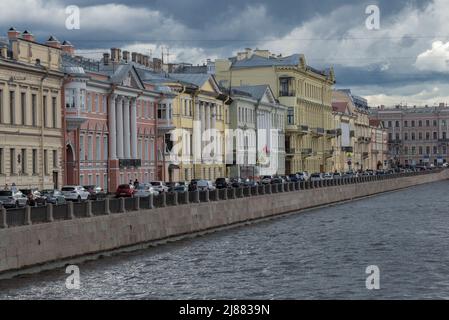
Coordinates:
(30, 113)
(306, 92)
(359, 130)
(196, 105)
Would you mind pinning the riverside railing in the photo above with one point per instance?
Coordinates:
(49, 213)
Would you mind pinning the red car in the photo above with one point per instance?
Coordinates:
(125, 191)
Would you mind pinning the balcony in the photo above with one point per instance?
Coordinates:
(317, 132)
(396, 141)
(443, 140)
(306, 152)
(303, 130)
(290, 152)
(347, 149)
(165, 125)
(367, 140)
(365, 155)
(130, 163)
(333, 133)
(74, 118)
(328, 153)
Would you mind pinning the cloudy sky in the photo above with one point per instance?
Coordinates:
(405, 61)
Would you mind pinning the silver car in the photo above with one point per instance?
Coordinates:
(12, 199)
(145, 190)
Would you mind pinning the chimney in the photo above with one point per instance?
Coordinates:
(115, 55)
(126, 56)
(106, 57)
(145, 60)
(26, 35)
(13, 34)
(134, 57)
(53, 42)
(68, 48)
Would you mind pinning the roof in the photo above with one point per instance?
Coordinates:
(340, 106)
(259, 61)
(374, 122)
(198, 79)
(256, 92)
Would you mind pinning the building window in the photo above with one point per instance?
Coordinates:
(397, 124)
(55, 159)
(34, 161)
(427, 123)
(435, 150)
(1, 106)
(89, 102)
(54, 114)
(413, 136)
(23, 107)
(12, 162)
(89, 148)
(12, 107)
(419, 135)
(70, 98)
(97, 104)
(82, 151)
(406, 123)
(420, 123)
(98, 148)
(46, 162)
(291, 116)
(420, 150)
(434, 123)
(1, 161)
(428, 150)
(105, 148)
(33, 110)
(405, 136)
(427, 135)
(413, 123)
(23, 161)
(105, 183)
(82, 98)
(435, 136)
(44, 107)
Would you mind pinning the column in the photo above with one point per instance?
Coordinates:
(126, 129)
(112, 128)
(203, 121)
(134, 128)
(207, 123)
(119, 117)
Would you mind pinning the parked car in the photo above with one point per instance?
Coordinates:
(54, 197)
(193, 185)
(75, 193)
(316, 177)
(294, 178)
(337, 175)
(13, 199)
(35, 198)
(222, 183)
(277, 179)
(203, 185)
(181, 188)
(171, 186)
(236, 182)
(266, 179)
(303, 176)
(328, 176)
(125, 191)
(95, 192)
(250, 183)
(145, 190)
(159, 186)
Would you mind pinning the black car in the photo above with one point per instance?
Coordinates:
(277, 180)
(193, 185)
(222, 183)
(294, 178)
(236, 183)
(54, 197)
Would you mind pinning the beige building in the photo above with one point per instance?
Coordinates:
(356, 137)
(379, 145)
(305, 91)
(30, 113)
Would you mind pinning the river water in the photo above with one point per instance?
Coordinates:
(318, 254)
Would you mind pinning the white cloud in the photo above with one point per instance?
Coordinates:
(434, 59)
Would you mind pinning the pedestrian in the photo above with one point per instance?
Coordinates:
(6, 187)
(136, 184)
(14, 187)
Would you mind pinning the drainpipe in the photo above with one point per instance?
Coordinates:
(43, 126)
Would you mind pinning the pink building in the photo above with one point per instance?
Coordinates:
(110, 122)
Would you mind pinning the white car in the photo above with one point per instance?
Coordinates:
(75, 193)
(203, 185)
(145, 190)
(159, 186)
